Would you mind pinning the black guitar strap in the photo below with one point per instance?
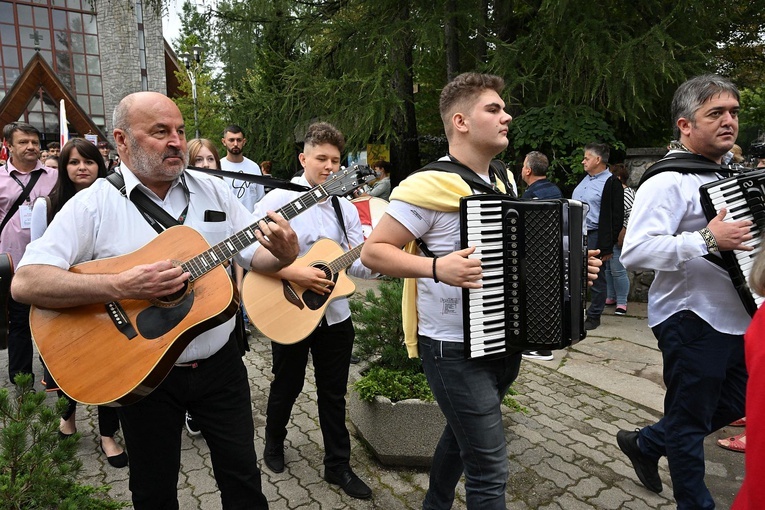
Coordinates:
(339, 213)
(158, 218)
(24, 194)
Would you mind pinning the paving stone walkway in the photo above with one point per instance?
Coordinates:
(561, 449)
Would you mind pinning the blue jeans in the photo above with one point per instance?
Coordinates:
(598, 289)
(706, 378)
(469, 393)
(617, 281)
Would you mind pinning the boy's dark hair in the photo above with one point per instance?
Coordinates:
(323, 132)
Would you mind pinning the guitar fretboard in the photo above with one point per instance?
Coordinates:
(343, 261)
(224, 250)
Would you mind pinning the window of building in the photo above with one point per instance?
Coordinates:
(65, 33)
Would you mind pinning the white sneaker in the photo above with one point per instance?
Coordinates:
(540, 355)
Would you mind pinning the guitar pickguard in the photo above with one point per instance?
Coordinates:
(155, 321)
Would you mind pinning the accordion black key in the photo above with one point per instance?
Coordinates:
(534, 260)
(743, 196)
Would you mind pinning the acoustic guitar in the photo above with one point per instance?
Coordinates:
(116, 353)
(286, 312)
(6, 274)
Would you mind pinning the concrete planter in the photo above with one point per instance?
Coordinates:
(404, 433)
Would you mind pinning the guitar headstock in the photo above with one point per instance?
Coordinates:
(348, 179)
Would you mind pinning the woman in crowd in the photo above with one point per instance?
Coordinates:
(203, 154)
(81, 165)
(617, 281)
(51, 162)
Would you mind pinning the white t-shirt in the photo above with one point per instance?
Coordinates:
(439, 306)
(248, 193)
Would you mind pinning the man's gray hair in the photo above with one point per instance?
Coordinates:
(538, 163)
(122, 112)
(601, 150)
(695, 92)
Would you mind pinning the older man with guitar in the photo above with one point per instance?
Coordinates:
(185, 308)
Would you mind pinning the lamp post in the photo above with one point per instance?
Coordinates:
(191, 61)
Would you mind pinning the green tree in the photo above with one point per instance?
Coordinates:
(37, 469)
(375, 67)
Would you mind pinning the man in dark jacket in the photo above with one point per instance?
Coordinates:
(604, 194)
(534, 174)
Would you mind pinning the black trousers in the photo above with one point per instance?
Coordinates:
(217, 393)
(19, 339)
(330, 348)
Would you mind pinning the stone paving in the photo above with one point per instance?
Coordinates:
(561, 449)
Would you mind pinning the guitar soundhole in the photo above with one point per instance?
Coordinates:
(172, 299)
(313, 300)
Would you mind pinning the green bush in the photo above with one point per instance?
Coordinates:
(37, 469)
(380, 338)
(393, 384)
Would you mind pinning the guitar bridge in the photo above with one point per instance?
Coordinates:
(290, 295)
(120, 319)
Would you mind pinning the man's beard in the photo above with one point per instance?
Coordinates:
(149, 165)
(234, 150)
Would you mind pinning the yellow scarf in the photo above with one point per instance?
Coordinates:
(437, 191)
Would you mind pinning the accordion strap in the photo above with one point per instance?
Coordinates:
(685, 163)
(497, 170)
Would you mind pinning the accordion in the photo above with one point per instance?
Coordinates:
(743, 195)
(534, 262)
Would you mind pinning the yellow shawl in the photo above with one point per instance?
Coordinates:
(437, 191)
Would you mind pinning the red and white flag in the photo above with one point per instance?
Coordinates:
(63, 126)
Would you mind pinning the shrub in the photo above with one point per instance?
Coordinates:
(380, 338)
(37, 469)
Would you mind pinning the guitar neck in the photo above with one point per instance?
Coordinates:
(224, 250)
(345, 260)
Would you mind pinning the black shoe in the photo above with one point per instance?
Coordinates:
(116, 461)
(273, 455)
(349, 482)
(355, 359)
(647, 470)
(591, 323)
(538, 354)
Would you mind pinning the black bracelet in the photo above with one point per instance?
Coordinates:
(435, 276)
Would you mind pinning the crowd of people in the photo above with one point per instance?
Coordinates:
(59, 212)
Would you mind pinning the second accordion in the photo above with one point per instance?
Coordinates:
(534, 262)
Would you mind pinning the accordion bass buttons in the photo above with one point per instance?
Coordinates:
(513, 287)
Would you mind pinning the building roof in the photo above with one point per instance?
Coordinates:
(37, 73)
